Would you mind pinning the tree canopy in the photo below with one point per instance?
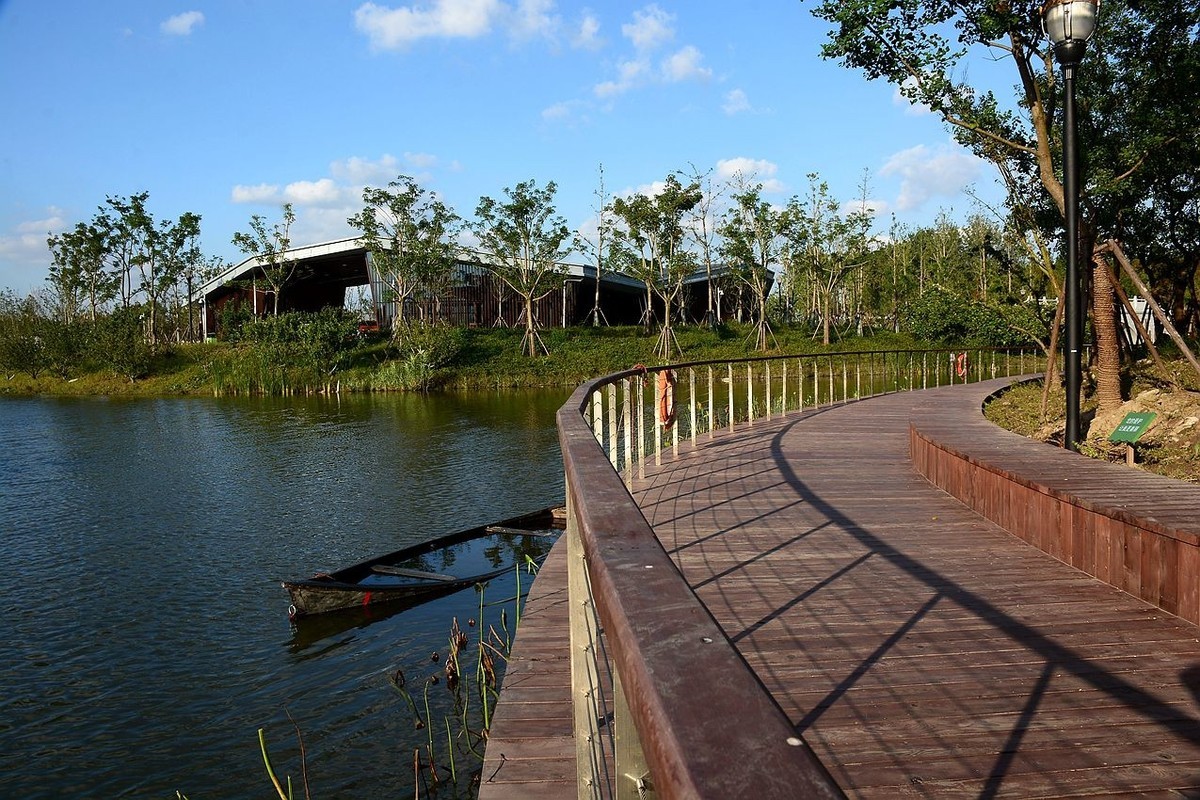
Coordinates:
(651, 241)
(526, 241)
(409, 234)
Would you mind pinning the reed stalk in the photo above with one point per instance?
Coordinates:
(262, 744)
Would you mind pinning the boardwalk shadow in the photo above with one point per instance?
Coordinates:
(1054, 656)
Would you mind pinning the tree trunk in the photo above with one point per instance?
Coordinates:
(531, 340)
(1053, 376)
(1108, 351)
(825, 319)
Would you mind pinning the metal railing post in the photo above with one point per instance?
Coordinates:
(586, 691)
(627, 415)
(730, 396)
(641, 426)
(692, 400)
(633, 781)
(750, 394)
(712, 418)
(613, 447)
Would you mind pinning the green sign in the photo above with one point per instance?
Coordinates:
(1132, 427)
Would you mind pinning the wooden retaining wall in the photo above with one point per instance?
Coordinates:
(1135, 531)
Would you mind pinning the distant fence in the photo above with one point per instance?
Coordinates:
(664, 704)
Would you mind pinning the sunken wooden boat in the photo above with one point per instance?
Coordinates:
(431, 569)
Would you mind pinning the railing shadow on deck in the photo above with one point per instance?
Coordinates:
(1055, 656)
(689, 717)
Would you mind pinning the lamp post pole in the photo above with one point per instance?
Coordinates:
(1069, 24)
(1073, 363)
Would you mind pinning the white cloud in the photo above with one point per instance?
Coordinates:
(653, 189)
(421, 160)
(362, 171)
(24, 256)
(557, 111)
(569, 113)
(753, 170)
(323, 205)
(323, 192)
(911, 109)
(629, 74)
(395, 28)
(323, 225)
(182, 24)
(736, 102)
(261, 193)
(876, 208)
(926, 173)
(685, 65)
(650, 28)
(587, 36)
(50, 224)
(533, 18)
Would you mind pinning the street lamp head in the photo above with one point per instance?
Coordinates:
(1069, 24)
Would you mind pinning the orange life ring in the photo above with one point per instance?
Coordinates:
(665, 397)
(962, 365)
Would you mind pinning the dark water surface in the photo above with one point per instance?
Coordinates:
(145, 636)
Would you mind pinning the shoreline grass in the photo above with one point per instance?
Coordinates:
(485, 359)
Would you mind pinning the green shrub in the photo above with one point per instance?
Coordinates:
(944, 317)
(119, 342)
(421, 351)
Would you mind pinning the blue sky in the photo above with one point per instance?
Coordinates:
(229, 109)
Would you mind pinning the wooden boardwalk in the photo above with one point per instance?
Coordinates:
(919, 649)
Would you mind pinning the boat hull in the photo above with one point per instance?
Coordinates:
(415, 574)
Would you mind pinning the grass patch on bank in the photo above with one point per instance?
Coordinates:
(483, 359)
(1171, 446)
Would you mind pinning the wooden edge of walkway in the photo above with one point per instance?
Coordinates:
(1134, 530)
(531, 744)
(1129, 528)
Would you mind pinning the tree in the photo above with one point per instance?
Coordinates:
(119, 340)
(1141, 89)
(703, 229)
(409, 235)
(78, 273)
(270, 248)
(753, 238)
(600, 249)
(822, 246)
(651, 245)
(526, 241)
(22, 347)
(1142, 73)
(171, 256)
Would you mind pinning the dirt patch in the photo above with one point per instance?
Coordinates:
(1171, 445)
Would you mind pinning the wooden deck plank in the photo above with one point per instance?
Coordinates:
(531, 748)
(921, 650)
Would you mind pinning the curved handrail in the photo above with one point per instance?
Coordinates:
(706, 725)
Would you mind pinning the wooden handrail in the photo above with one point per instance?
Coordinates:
(703, 723)
(707, 727)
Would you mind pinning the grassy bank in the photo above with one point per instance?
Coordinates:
(478, 359)
(1170, 447)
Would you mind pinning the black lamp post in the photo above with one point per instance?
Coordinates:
(1069, 24)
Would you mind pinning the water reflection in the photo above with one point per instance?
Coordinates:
(148, 636)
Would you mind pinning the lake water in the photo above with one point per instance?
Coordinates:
(146, 635)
